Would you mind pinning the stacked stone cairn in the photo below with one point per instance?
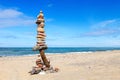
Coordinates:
(40, 33)
(42, 64)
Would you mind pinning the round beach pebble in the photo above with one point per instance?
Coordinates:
(40, 20)
(42, 34)
(39, 36)
(41, 25)
(40, 29)
(40, 44)
(40, 39)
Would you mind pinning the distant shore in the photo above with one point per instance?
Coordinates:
(100, 65)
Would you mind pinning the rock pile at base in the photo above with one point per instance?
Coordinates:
(40, 68)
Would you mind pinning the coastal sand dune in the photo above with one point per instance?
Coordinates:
(86, 66)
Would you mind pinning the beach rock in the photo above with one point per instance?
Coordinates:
(40, 39)
(40, 15)
(40, 30)
(35, 70)
(42, 73)
(39, 48)
(40, 36)
(41, 25)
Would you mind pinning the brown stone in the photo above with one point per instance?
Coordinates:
(40, 16)
(40, 29)
(41, 25)
(40, 39)
(40, 36)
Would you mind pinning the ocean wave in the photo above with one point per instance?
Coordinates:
(71, 52)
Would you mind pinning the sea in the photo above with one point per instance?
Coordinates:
(27, 51)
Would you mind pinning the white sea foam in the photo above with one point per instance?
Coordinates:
(78, 52)
(71, 52)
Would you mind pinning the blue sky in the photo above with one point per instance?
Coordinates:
(69, 23)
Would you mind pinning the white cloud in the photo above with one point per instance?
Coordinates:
(13, 18)
(49, 19)
(108, 27)
(9, 13)
(100, 32)
(103, 24)
(108, 24)
(50, 5)
(11, 38)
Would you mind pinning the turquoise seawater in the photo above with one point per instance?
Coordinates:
(6, 51)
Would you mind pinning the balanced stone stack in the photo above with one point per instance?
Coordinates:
(42, 64)
(40, 33)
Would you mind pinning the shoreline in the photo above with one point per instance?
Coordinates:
(54, 50)
(82, 52)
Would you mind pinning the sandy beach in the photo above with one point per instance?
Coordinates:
(104, 65)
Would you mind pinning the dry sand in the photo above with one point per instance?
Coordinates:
(85, 66)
